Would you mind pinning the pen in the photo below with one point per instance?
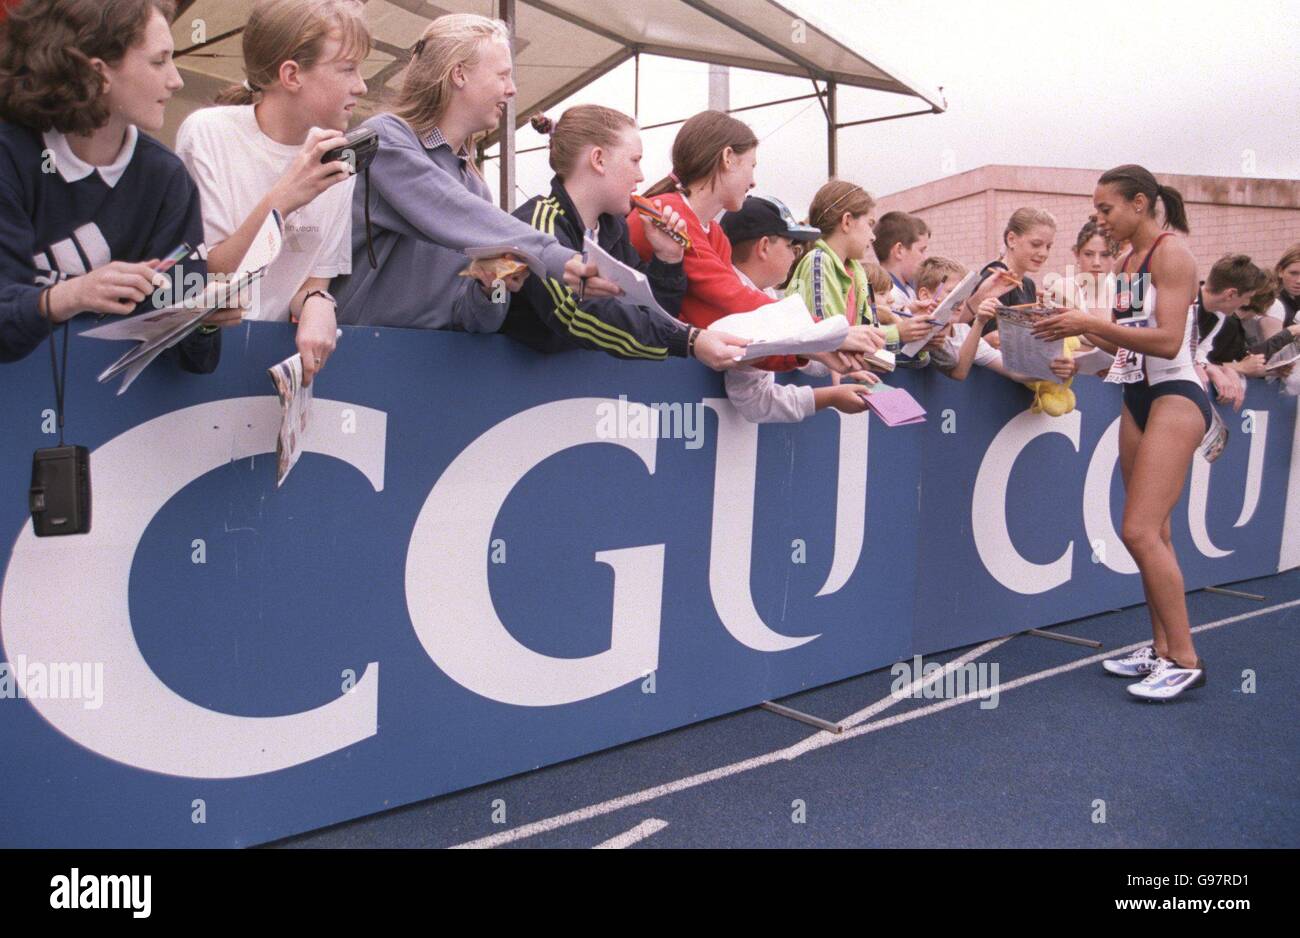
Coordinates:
(582, 287)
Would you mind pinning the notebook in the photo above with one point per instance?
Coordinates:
(896, 407)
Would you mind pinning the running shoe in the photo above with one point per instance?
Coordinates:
(1137, 664)
(1167, 680)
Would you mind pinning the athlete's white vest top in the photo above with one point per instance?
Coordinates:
(1130, 366)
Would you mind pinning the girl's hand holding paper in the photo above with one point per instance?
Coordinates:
(719, 350)
(576, 271)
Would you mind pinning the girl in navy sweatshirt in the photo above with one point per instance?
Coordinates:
(88, 202)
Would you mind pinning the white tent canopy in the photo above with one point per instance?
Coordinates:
(563, 45)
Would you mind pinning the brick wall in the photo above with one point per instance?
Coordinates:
(967, 213)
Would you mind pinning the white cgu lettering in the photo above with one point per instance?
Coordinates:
(989, 502)
(85, 579)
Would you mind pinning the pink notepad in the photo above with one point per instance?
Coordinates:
(896, 408)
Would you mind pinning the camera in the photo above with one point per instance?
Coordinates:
(60, 493)
(360, 150)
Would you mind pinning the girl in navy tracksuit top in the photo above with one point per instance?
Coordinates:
(89, 203)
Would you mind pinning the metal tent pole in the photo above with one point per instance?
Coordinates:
(719, 88)
(506, 12)
(832, 132)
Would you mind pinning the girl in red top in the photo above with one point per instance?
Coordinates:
(714, 156)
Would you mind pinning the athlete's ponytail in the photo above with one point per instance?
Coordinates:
(1131, 179)
(1175, 211)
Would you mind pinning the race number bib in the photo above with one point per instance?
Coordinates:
(1127, 367)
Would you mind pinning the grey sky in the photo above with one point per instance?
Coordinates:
(1205, 88)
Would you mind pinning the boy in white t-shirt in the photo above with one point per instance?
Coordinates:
(250, 158)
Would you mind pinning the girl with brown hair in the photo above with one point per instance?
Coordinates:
(830, 277)
(89, 202)
(596, 154)
(1286, 308)
(713, 157)
(1092, 280)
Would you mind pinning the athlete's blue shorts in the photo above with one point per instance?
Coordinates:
(1139, 396)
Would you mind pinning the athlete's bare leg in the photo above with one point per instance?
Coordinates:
(1174, 429)
(1129, 438)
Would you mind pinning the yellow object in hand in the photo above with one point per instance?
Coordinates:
(1053, 398)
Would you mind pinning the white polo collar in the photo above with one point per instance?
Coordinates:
(73, 169)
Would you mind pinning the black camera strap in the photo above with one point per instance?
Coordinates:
(60, 381)
(59, 497)
(370, 244)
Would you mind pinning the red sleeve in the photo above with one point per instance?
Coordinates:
(713, 290)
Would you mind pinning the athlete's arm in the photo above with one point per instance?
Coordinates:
(1173, 271)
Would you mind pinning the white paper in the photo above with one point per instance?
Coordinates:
(943, 313)
(159, 330)
(824, 336)
(135, 368)
(1286, 355)
(1022, 351)
(635, 285)
(1093, 361)
(784, 328)
(295, 412)
(779, 320)
(884, 358)
(144, 327)
(265, 248)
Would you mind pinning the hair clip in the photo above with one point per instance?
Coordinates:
(852, 192)
(419, 47)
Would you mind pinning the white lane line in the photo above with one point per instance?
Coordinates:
(628, 838)
(617, 804)
(920, 683)
(866, 713)
(1021, 682)
(525, 831)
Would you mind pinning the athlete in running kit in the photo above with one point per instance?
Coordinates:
(1148, 377)
(1166, 410)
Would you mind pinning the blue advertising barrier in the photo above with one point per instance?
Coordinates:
(489, 561)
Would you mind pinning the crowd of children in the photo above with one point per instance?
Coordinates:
(89, 204)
